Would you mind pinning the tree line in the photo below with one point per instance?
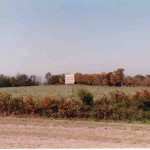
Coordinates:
(115, 78)
(18, 80)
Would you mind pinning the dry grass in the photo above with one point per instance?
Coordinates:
(60, 90)
(48, 133)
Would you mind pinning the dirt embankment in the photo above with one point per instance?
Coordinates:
(46, 133)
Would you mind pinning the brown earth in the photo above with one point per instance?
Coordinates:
(49, 133)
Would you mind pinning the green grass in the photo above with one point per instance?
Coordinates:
(39, 92)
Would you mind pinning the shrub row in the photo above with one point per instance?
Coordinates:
(115, 106)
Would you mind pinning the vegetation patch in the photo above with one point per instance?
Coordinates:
(86, 96)
(114, 106)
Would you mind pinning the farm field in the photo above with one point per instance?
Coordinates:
(39, 92)
(48, 133)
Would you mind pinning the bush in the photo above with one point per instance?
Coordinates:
(115, 106)
(5, 100)
(85, 96)
(142, 100)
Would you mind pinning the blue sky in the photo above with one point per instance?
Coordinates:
(88, 36)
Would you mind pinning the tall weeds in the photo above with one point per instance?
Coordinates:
(115, 106)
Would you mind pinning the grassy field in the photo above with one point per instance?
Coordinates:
(60, 90)
(47, 133)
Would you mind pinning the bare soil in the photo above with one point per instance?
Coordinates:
(50, 133)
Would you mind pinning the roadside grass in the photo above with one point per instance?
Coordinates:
(44, 121)
(117, 105)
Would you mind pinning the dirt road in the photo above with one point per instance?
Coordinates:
(48, 133)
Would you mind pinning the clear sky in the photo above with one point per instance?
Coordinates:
(87, 36)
